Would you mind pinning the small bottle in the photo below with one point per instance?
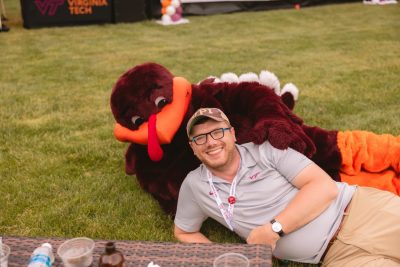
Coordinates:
(111, 257)
(42, 256)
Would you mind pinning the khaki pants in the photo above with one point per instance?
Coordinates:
(370, 234)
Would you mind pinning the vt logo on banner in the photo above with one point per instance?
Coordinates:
(48, 6)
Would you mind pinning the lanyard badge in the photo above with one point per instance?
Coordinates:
(227, 213)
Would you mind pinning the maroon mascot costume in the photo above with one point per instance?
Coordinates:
(152, 107)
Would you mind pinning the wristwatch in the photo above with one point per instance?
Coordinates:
(277, 227)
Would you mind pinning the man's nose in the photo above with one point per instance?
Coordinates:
(210, 140)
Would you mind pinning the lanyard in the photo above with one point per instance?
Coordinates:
(226, 213)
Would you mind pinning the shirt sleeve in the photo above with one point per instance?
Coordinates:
(288, 161)
(189, 215)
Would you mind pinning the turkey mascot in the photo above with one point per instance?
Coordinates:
(152, 107)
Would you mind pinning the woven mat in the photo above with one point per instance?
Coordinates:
(141, 253)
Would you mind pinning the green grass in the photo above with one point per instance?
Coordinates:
(62, 171)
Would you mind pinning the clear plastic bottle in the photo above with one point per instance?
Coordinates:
(111, 257)
(42, 256)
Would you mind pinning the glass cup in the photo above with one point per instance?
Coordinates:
(231, 259)
(77, 252)
(4, 253)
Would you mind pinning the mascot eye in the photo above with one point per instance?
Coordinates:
(137, 120)
(161, 102)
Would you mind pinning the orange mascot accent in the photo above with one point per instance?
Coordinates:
(369, 159)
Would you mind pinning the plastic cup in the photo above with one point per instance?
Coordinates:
(4, 253)
(231, 259)
(77, 252)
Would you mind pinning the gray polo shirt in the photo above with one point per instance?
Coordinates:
(263, 190)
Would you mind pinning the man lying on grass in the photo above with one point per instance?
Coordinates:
(282, 198)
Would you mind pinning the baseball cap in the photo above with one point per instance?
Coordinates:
(212, 113)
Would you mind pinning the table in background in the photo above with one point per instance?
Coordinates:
(141, 253)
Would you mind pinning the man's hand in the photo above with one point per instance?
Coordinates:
(263, 235)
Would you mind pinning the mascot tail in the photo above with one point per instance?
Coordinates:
(289, 93)
(371, 160)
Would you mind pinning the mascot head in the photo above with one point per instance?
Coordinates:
(149, 104)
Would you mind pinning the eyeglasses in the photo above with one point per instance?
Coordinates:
(216, 134)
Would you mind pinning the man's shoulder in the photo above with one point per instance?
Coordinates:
(194, 175)
(262, 154)
(248, 147)
(251, 145)
(255, 149)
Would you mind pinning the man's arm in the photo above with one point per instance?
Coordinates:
(317, 190)
(189, 214)
(188, 237)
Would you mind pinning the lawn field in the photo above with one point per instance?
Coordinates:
(62, 170)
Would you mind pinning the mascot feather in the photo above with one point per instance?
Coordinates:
(152, 107)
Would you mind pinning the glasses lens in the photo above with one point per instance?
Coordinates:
(200, 139)
(217, 134)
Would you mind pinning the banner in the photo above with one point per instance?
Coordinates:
(41, 13)
(205, 1)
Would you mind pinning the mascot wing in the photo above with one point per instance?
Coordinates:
(257, 114)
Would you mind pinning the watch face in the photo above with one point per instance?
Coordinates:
(276, 227)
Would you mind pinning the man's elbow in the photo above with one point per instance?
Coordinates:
(333, 191)
(178, 234)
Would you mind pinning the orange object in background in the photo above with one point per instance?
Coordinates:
(165, 3)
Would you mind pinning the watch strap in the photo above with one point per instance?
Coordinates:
(280, 232)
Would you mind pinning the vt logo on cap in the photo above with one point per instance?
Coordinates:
(212, 113)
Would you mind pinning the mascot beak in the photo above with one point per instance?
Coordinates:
(161, 127)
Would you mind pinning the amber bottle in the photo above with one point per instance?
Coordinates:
(111, 257)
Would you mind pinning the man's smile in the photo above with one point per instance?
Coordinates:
(214, 151)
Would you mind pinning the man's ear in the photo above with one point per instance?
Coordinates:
(191, 145)
(234, 134)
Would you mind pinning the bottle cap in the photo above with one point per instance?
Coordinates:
(110, 247)
(47, 245)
